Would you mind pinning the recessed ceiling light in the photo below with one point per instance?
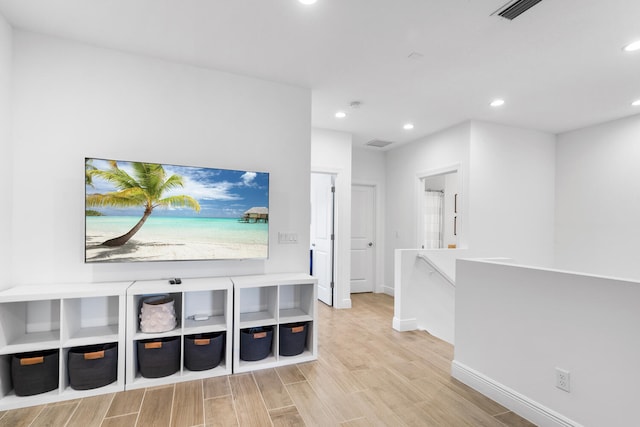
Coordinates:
(631, 47)
(636, 103)
(408, 126)
(341, 115)
(497, 102)
(307, 1)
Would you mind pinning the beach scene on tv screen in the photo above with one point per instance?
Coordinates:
(137, 211)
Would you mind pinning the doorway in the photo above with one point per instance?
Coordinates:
(322, 234)
(440, 211)
(363, 226)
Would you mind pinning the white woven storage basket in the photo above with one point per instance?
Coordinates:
(157, 314)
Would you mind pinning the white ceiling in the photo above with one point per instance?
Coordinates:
(559, 66)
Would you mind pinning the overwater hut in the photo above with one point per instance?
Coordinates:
(256, 214)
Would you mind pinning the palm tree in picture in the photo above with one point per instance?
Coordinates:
(144, 189)
(88, 168)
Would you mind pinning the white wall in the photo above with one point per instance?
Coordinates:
(404, 166)
(6, 156)
(515, 325)
(597, 199)
(511, 191)
(369, 168)
(73, 100)
(331, 152)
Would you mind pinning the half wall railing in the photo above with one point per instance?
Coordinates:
(424, 290)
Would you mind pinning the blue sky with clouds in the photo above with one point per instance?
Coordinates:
(221, 193)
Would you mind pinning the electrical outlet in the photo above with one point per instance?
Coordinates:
(563, 380)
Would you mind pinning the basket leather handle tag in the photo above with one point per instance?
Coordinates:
(297, 329)
(202, 341)
(149, 345)
(259, 335)
(31, 361)
(95, 355)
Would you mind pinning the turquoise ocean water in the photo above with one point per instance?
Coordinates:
(176, 229)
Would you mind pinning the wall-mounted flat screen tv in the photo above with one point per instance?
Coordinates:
(137, 211)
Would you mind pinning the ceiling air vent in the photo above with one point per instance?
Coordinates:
(378, 143)
(513, 9)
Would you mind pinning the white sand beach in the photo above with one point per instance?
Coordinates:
(138, 250)
(152, 244)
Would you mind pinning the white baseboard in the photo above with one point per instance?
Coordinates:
(388, 290)
(403, 325)
(511, 399)
(346, 303)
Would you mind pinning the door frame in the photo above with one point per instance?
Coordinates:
(377, 246)
(419, 190)
(332, 261)
(379, 235)
(342, 230)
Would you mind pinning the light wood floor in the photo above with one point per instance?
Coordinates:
(367, 374)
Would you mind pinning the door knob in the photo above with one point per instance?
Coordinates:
(370, 244)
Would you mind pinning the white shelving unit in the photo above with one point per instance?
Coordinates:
(209, 296)
(60, 317)
(273, 300)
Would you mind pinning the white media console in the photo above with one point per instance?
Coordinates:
(60, 317)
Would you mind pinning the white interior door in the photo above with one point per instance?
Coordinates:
(362, 238)
(322, 234)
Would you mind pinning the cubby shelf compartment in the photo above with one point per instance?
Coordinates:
(210, 297)
(273, 300)
(59, 317)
